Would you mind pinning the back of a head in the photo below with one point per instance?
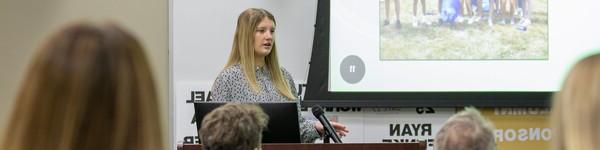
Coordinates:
(575, 114)
(233, 127)
(467, 130)
(89, 87)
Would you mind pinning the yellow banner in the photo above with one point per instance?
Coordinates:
(520, 128)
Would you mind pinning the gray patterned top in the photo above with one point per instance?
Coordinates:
(231, 86)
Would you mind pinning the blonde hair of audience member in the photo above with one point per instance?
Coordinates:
(233, 127)
(576, 108)
(243, 51)
(466, 130)
(89, 87)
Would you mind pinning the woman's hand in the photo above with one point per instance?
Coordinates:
(339, 128)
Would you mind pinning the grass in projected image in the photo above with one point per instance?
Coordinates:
(444, 34)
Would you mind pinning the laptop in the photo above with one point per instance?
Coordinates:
(283, 124)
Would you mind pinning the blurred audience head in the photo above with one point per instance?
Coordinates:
(233, 126)
(575, 118)
(88, 87)
(466, 130)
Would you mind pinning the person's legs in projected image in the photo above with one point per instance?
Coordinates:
(513, 12)
(508, 16)
(387, 13)
(450, 10)
(519, 11)
(491, 6)
(465, 5)
(525, 19)
(415, 21)
(396, 11)
(476, 10)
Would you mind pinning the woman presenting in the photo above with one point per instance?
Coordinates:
(252, 73)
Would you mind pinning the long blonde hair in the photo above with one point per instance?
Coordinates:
(89, 87)
(576, 108)
(242, 51)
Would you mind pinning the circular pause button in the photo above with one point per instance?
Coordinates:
(352, 69)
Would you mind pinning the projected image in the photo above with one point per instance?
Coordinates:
(463, 29)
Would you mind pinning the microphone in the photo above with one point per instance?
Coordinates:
(329, 130)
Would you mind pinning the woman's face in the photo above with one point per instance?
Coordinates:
(263, 37)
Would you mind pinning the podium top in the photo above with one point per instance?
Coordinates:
(346, 146)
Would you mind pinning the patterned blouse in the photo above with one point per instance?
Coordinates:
(231, 86)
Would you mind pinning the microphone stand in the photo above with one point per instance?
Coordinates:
(327, 128)
(326, 138)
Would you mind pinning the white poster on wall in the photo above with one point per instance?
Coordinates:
(402, 125)
(186, 93)
(390, 125)
(366, 125)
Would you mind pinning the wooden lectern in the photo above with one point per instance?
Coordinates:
(346, 146)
